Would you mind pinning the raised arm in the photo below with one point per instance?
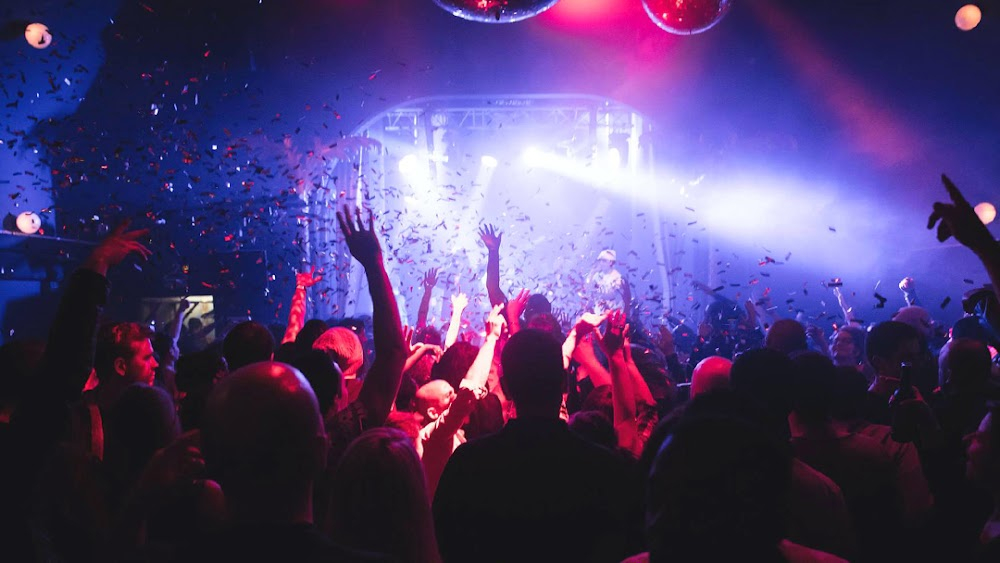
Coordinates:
(959, 219)
(429, 280)
(491, 239)
(178, 321)
(479, 371)
(515, 308)
(297, 313)
(622, 392)
(458, 304)
(378, 391)
(69, 352)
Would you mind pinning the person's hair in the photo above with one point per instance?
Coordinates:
(969, 364)
(379, 500)
(537, 304)
(885, 339)
(117, 340)
(344, 347)
(455, 363)
(765, 377)
(323, 376)
(312, 330)
(161, 345)
(247, 343)
(599, 400)
(717, 492)
(857, 335)
(786, 335)
(594, 427)
(533, 374)
(814, 387)
(548, 323)
(428, 335)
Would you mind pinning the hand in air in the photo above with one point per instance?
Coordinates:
(613, 339)
(430, 278)
(516, 306)
(459, 302)
(496, 322)
(119, 244)
(361, 240)
(959, 219)
(490, 237)
(307, 279)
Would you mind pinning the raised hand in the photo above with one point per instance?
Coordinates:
(613, 339)
(307, 279)
(665, 342)
(113, 249)
(496, 322)
(361, 240)
(907, 285)
(959, 219)
(588, 322)
(459, 302)
(430, 278)
(490, 237)
(516, 306)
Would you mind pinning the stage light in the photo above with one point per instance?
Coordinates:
(38, 35)
(409, 165)
(986, 212)
(968, 17)
(495, 11)
(28, 223)
(532, 156)
(688, 17)
(489, 161)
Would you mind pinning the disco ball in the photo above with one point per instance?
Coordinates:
(495, 11)
(37, 35)
(686, 17)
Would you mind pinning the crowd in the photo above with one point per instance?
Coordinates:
(596, 439)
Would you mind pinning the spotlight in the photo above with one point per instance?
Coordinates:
(29, 223)
(489, 161)
(614, 158)
(409, 165)
(986, 212)
(968, 17)
(37, 35)
(532, 156)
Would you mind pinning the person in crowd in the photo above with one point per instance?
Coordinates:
(264, 442)
(859, 465)
(444, 408)
(847, 348)
(787, 336)
(890, 344)
(717, 492)
(541, 492)
(247, 343)
(379, 502)
(710, 374)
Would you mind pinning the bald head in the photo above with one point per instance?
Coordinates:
(263, 436)
(433, 398)
(786, 336)
(710, 374)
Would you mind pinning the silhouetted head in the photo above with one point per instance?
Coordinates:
(814, 387)
(548, 323)
(344, 348)
(247, 343)
(264, 442)
(142, 420)
(594, 427)
(455, 363)
(323, 376)
(786, 336)
(717, 492)
(964, 365)
(379, 500)
(537, 304)
(765, 376)
(313, 329)
(890, 344)
(533, 374)
(710, 374)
